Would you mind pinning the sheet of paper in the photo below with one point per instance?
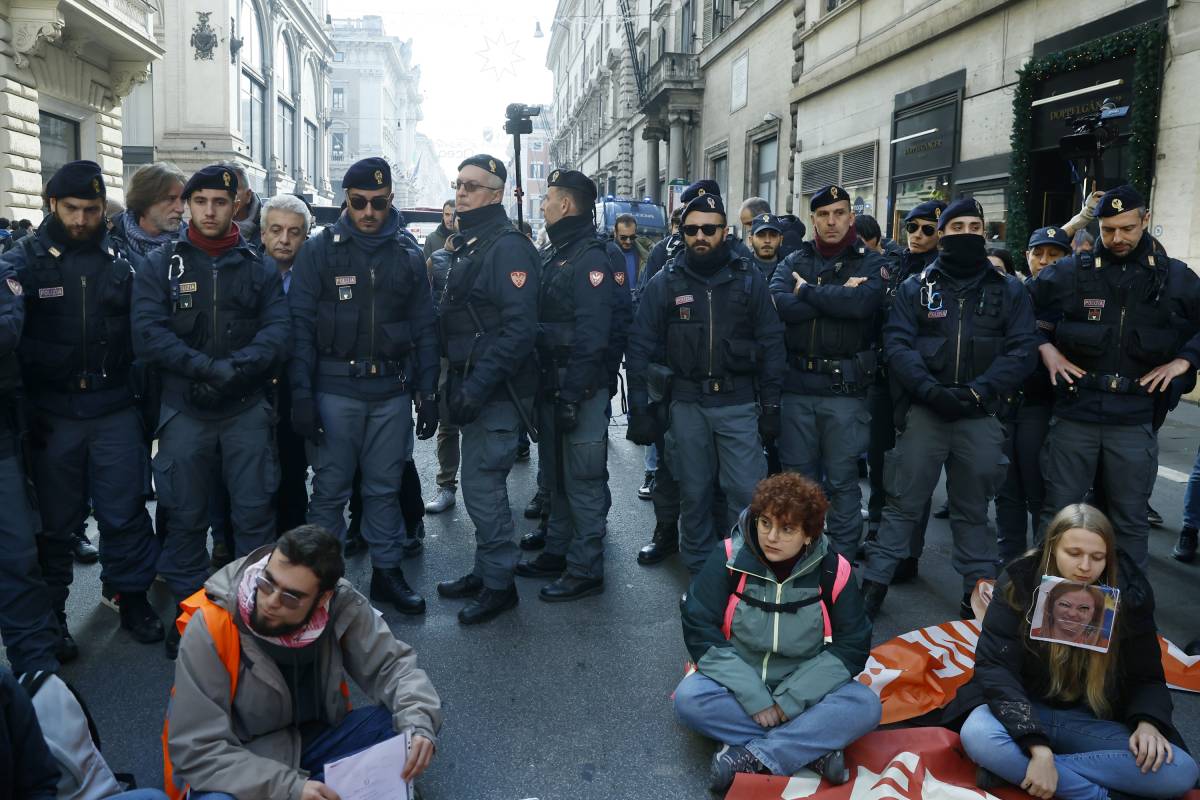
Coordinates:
(372, 774)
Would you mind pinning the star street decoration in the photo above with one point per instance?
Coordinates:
(500, 55)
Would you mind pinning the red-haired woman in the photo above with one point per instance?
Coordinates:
(777, 629)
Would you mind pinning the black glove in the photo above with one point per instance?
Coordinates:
(427, 417)
(221, 374)
(966, 399)
(205, 396)
(770, 423)
(566, 416)
(946, 404)
(643, 427)
(305, 420)
(463, 408)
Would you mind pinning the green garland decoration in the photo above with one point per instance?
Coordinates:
(1146, 43)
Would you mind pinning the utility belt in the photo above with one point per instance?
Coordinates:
(361, 369)
(849, 374)
(711, 386)
(1113, 384)
(84, 382)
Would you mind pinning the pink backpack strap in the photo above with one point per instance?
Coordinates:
(731, 606)
(840, 578)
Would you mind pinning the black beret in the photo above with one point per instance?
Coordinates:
(827, 197)
(1055, 236)
(930, 209)
(82, 179)
(213, 176)
(1119, 200)
(962, 207)
(573, 179)
(368, 174)
(487, 164)
(765, 222)
(708, 203)
(699, 189)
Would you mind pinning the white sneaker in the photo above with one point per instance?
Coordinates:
(443, 500)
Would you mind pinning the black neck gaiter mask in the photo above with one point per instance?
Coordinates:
(963, 255)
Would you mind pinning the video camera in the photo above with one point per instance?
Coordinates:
(519, 118)
(1091, 134)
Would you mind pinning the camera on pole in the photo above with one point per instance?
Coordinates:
(1091, 134)
(519, 120)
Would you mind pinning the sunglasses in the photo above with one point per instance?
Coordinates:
(927, 229)
(627, 238)
(288, 599)
(692, 230)
(470, 187)
(358, 203)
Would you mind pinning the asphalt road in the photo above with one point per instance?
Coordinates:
(571, 701)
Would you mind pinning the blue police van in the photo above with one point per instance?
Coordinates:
(651, 217)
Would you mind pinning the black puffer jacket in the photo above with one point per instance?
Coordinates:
(1011, 670)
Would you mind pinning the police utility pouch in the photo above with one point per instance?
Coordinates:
(397, 339)
(866, 362)
(740, 356)
(658, 383)
(1083, 339)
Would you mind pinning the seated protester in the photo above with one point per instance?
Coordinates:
(274, 635)
(1064, 721)
(806, 706)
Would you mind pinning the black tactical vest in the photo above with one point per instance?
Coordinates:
(77, 329)
(1108, 330)
(214, 309)
(710, 334)
(830, 337)
(459, 330)
(960, 333)
(556, 306)
(361, 313)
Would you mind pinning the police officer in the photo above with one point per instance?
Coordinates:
(828, 293)
(920, 228)
(765, 237)
(575, 321)
(1126, 346)
(212, 317)
(27, 624)
(668, 248)
(707, 322)
(959, 342)
(76, 353)
(366, 344)
(489, 328)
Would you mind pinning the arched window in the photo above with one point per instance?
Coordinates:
(253, 85)
(285, 90)
(310, 104)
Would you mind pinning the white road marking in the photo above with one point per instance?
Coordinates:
(1173, 475)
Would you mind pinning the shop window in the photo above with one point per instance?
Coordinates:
(995, 211)
(911, 193)
(853, 170)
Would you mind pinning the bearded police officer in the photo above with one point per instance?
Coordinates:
(920, 228)
(707, 343)
(575, 321)
(213, 319)
(828, 293)
(766, 235)
(489, 328)
(959, 341)
(1126, 346)
(366, 347)
(76, 353)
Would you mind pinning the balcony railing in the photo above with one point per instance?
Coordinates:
(673, 71)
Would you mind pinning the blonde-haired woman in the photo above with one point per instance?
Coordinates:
(1062, 721)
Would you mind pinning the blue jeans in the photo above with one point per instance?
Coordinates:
(1091, 755)
(362, 728)
(650, 460)
(1191, 497)
(839, 718)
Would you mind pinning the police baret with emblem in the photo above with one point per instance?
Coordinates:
(368, 174)
(82, 179)
(962, 207)
(827, 197)
(930, 209)
(214, 176)
(765, 222)
(707, 203)
(1119, 200)
(1054, 236)
(487, 164)
(699, 189)
(575, 180)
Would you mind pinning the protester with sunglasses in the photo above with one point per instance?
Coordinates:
(959, 342)
(828, 293)
(707, 349)
(920, 227)
(260, 703)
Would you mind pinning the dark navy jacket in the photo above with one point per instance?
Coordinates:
(12, 318)
(156, 342)
(622, 311)
(667, 248)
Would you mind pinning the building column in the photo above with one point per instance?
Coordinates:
(652, 137)
(675, 165)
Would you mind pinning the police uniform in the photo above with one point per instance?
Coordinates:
(1117, 318)
(765, 222)
(216, 328)
(489, 327)
(27, 625)
(879, 396)
(830, 338)
(670, 246)
(575, 321)
(365, 342)
(714, 327)
(89, 449)
(959, 341)
(1019, 500)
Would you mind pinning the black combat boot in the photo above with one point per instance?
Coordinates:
(466, 586)
(389, 586)
(538, 505)
(546, 565)
(534, 540)
(663, 543)
(139, 618)
(1185, 549)
(66, 650)
(490, 603)
(873, 594)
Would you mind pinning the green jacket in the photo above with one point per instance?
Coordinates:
(775, 656)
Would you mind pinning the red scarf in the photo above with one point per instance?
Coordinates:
(831, 250)
(214, 247)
